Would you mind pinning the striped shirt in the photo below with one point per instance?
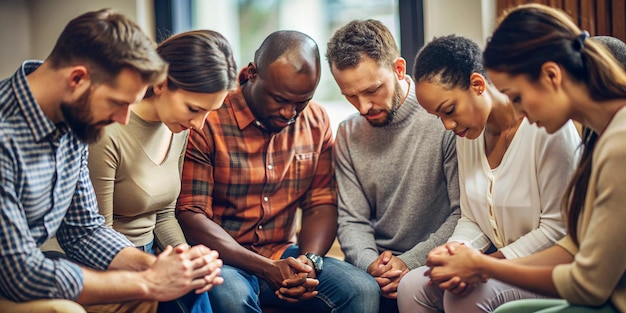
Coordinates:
(45, 190)
(251, 181)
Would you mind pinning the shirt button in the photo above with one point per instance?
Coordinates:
(266, 199)
(269, 167)
(260, 227)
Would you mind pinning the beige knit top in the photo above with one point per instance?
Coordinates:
(137, 195)
(597, 273)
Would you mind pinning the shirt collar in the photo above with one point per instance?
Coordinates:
(38, 122)
(243, 114)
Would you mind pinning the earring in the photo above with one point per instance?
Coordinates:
(480, 92)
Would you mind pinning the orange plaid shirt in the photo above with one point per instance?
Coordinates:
(251, 181)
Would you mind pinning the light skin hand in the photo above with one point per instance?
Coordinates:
(178, 271)
(387, 270)
(213, 264)
(457, 287)
(441, 250)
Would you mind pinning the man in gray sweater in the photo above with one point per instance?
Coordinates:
(395, 163)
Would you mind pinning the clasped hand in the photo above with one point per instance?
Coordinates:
(293, 279)
(179, 270)
(387, 270)
(453, 267)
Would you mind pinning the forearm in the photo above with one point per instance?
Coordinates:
(319, 229)
(167, 229)
(199, 229)
(533, 272)
(469, 233)
(552, 256)
(416, 256)
(358, 243)
(112, 287)
(131, 259)
(534, 278)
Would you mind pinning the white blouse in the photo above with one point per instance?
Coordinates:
(516, 206)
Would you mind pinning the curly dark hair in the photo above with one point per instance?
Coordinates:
(448, 61)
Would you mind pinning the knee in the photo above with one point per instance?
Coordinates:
(235, 294)
(350, 289)
(413, 284)
(414, 291)
(42, 306)
(365, 287)
(65, 306)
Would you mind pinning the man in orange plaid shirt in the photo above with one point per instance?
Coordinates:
(266, 152)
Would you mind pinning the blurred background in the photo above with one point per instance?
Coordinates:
(29, 28)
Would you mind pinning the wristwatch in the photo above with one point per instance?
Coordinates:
(318, 262)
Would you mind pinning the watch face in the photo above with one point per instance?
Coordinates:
(317, 261)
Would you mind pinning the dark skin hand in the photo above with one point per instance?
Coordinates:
(293, 279)
(455, 285)
(317, 233)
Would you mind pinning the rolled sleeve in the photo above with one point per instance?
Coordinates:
(83, 235)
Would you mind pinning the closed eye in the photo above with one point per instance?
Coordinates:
(371, 92)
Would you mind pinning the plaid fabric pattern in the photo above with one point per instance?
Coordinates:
(251, 181)
(45, 188)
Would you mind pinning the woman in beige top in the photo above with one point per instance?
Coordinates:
(135, 169)
(552, 73)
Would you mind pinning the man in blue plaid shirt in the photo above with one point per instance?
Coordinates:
(49, 112)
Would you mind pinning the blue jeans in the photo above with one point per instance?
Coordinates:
(189, 303)
(342, 288)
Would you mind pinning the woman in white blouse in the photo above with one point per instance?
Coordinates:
(512, 176)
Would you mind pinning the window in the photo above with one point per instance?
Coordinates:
(245, 23)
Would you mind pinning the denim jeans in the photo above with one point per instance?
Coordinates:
(342, 288)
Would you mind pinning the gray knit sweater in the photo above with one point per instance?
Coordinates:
(398, 186)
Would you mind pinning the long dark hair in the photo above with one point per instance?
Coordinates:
(532, 34)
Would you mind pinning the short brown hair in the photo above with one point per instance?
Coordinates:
(107, 42)
(358, 38)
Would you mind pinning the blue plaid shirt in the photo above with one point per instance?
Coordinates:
(45, 190)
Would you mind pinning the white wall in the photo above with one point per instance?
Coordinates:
(29, 28)
(14, 36)
(228, 25)
(474, 19)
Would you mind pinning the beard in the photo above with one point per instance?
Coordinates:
(391, 112)
(78, 117)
